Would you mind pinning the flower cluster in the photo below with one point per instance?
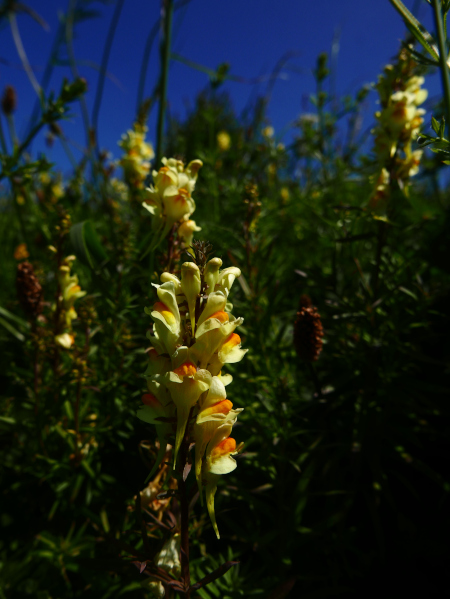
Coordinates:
(194, 337)
(169, 200)
(399, 122)
(70, 291)
(137, 155)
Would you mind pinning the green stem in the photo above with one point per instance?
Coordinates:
(442, 38)
(2, 139)
(144, 65)
(73, 66)
(165, 61)
(104, 64)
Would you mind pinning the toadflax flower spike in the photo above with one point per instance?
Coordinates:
(193, 338)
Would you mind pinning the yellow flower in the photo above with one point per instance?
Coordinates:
(65, 340)
(223, 141)
(21, 252)
(137, 155)
(268, 132)
(284, 193)
(170, 198)
(186, 231)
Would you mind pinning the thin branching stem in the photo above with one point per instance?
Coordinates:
(22, 54)
(103, 67)
(144, 65)
(165, 63)
(2, 139)
(73, 65)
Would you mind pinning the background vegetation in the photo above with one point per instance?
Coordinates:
(343, 486)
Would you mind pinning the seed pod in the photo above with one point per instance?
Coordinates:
(9, 100)
(29, 289)
(308, 333)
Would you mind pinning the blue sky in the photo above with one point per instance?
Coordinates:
(250, 35)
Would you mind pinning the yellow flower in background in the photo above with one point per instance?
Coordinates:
(169, 199)
(21, 252)
(70, 291)
(399, 123)
(268, 132)
(137, 155)
(186, 231)
(223, 141)
(284, 193)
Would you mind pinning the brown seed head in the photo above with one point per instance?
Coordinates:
(308, 333)
(9, 100)
(29, 289)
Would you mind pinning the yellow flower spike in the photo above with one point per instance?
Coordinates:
(211, 273)
(191, 283)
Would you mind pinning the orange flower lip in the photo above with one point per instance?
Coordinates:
(183, 194)
(225, 447)
(232, 340)
(221, 315)
(149, 400)
(221, 407)
(186, 369)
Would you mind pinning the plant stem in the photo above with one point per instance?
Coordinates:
(144, 65)
(22, 54)
(184, 516)
(104, 64)
(165, 61)
(442, 38)
(73, 67)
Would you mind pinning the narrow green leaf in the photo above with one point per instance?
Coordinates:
(11, 329)
(87, 246)
(424, 38)
(435, 125)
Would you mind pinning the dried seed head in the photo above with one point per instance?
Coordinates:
(305, 302)
(29, 289)
(308, 333)
(9, 100)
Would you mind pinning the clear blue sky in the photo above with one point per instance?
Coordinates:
(251, 35)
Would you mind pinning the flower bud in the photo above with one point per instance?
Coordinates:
(191, 283)
(211, 274)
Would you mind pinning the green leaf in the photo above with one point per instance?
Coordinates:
(11, 329)
(435, 125)
(87, 246)
(424, 38)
